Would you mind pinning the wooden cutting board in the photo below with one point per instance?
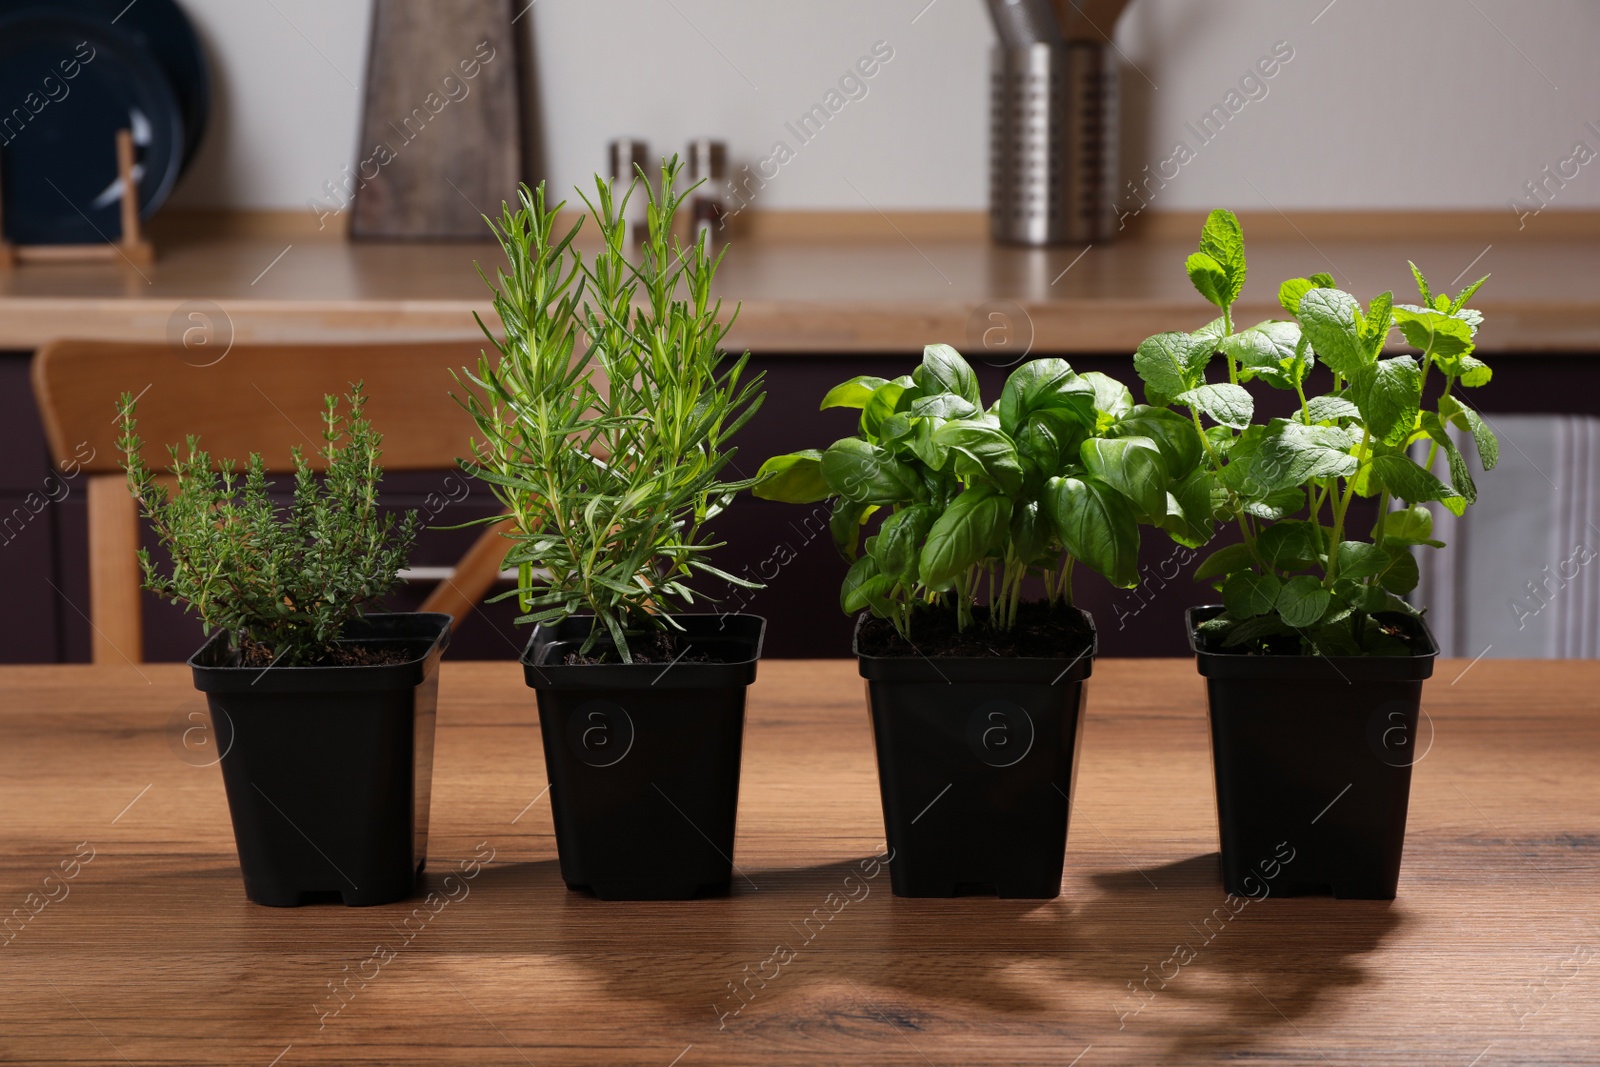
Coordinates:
(441, 131)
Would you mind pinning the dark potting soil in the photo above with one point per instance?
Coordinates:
(252, 654)
(1383, 636)
(660, 646)
(1042, 632)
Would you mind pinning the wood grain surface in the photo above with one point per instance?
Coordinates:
(148, 952)
(881, 290)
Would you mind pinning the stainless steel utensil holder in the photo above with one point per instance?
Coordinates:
(1053, 143)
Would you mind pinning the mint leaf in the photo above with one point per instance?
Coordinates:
(1224, 561)
(1460, 475)
(1329, 408)
(1422, 283)
(1358, 559)
(1474, 372)
(1171, 363)
(1441, 335)
(1410, 526)
(1388, 394)
(1291, 546)
(1231, 405)
(1329, 318)
(1482, 436)
(1407, 481)
(1302, 601)
(1208, 278)
(1222, 239)
(1271, 351)
(1246, 594)
(1290, 292)
(1377, 323)
(1466, 294)
(1291, 454)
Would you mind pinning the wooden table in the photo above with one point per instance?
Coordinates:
(151, 953)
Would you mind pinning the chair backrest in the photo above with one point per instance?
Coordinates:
(257, 398)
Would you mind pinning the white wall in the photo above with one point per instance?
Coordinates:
(1431, 103)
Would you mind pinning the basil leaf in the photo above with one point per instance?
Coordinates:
(1044, 384)
(864, 587)
(861, 471)
(845, 525)
(1133, 467)
(1097, 527)
(852, 394)
(1192, 525)
(1172, 433)
(973, 524)
(1224, 561)
(794, 479)
(944, 371)
(886, 400)
(899, 542)
(1112, 399)
(982, 449)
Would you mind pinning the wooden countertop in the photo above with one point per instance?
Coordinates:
(1490, 955)
(889, 287)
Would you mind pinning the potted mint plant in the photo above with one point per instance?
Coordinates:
(1314, 661)
(976, 688)
(323, 713)
(610, 457)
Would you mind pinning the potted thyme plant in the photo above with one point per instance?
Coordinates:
(1314, 660)
(323, 713)
(975, 688)
(610, 458)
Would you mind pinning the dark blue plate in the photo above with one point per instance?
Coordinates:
(162, 29)
(67, 83)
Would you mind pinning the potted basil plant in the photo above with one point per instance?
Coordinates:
(323, 713)
(976, 688)
(1314, 661)
(610, 456)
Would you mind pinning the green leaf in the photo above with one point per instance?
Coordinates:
(1407, 481)
(1224, 561)
(1045, 384)
(1402, 574)
(974, 524)
(1460, 474)
(1388, 394)
(861, 471)
(1030, 531)
(1329, 318)
(899, 542)
(1302, 601)
(1190, 523)
(1292, 545)
(1410, 526)
(943, 406)
(1222, 240)
(1358, 559)
(1291, 454)
(1039, 442)
(1278, 504)
(1112, 399)
(1466, 294)
(1133, 467)
(863, 587)
(886, 400)
(944, 371)
(982, 449)
(1171, 363)
(1172, 433)
(1482, 436)
(1271, 351)
(1376, 324)
(1474, 372)
(1230, 405)
(1209, 278)
(845, 525)
(852, 394)
(1331, 408)
(1291, 292)
(1422, 283)
(1097, 526)
(1442, 335)
(794, 479)
(1246, 594)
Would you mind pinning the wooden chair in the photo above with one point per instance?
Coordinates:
(257, 398)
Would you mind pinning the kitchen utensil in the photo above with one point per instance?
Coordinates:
(441, 133)
(1089, 20)
(162, 29)
(72, 82)
(1020, 23)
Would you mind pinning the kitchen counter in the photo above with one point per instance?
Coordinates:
(879, 286)
(150, 953)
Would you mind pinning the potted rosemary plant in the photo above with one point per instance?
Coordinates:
(323, 713)
(975, 688)
(610, 457)
(1314, 660)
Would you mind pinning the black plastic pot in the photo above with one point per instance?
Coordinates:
(975, 768)
(328, 769)
(643, 759)
(1313, 758)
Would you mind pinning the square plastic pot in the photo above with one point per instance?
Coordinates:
(643, 759)
(1313, 757)
(328, 770)
(976, 761)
